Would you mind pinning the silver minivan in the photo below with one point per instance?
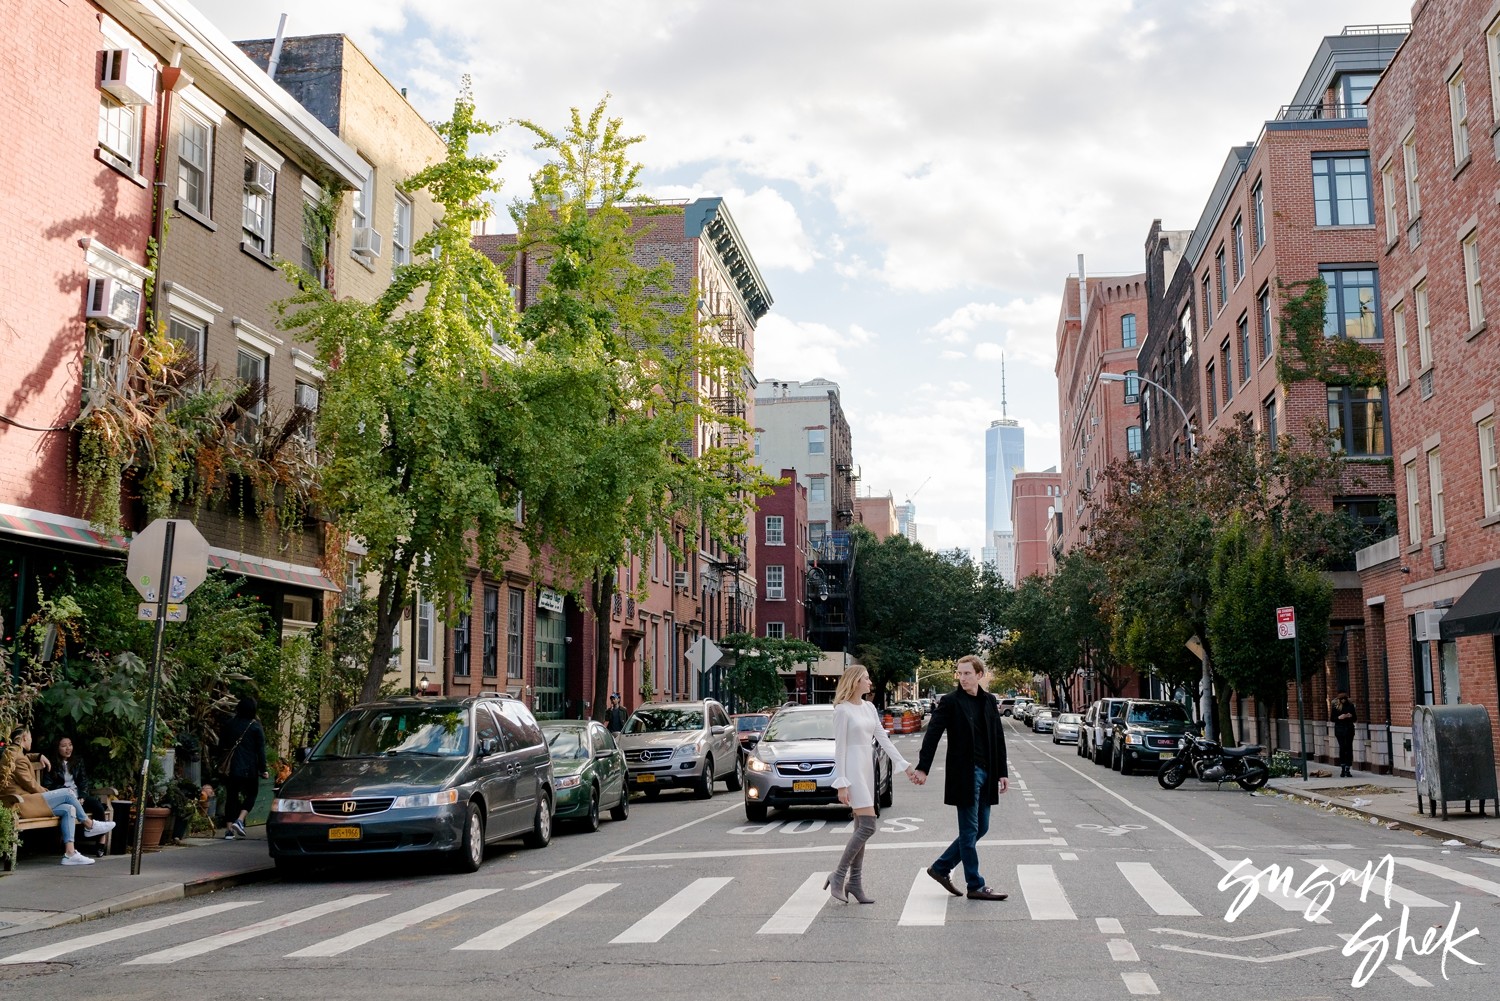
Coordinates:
(681, 744)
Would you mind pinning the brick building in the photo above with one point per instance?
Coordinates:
(878, 514)
(1034, 498)
(1165, 353)
(781, 546)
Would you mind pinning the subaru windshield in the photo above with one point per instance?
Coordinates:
(814, 725)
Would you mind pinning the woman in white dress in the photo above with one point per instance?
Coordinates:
(855, 725)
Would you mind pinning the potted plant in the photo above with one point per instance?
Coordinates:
(10, 840)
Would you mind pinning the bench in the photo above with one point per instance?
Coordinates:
(24, 824)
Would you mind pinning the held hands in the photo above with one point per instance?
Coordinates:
(917, 777)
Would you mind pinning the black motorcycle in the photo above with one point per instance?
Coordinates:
(1206, 761)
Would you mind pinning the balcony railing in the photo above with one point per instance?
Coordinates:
(1321, 111)
(1377, 29)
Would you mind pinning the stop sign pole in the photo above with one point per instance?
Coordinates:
(1286, 628)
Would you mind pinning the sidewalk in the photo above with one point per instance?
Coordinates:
(41, 893)
(1391, 799)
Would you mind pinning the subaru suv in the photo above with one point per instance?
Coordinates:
(792, 765)
(1146, 731)
(417, 775)
(682, 745)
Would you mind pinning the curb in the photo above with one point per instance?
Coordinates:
(1308, 796)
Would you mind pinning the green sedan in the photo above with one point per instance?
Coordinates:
(588, 770)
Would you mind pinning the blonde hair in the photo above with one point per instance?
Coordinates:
(848, 684)
(974, 661)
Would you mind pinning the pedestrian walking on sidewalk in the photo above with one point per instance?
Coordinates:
(244, 766)
(855, 725)
(1344, 718)
(976, 772)
(614, 716)
(17, 779)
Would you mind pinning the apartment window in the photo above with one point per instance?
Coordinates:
(460, 641)
(1413, 187)
(1127, 330)
(1413, 505)
(1185, 325)
(775, 630)
(1424, 327)
(1132, 386)
(1492, 44)
(1226, 366)
(1263, 307)
(489, 665)
(1208, 306)
(1398, 324)
(260, 187)
(1388, 197)
(1272, 422)
(1350, 310)
(363, 199)
(1221, 275)
(1458, 112)
(776, 583)
(313, 257)
(1472, 280)
(426, 623)
(1243, 329)
(1258, 213)
(1489, 466)
(775, 533)
(816, 440)
(193, 336)
(1133, 441)
(1435, 491)
(514, 624)
(251, 368)
(195, 144)
(120, 132)
(1239, 249)
(401, 231)
(816, 533)
(1341, 190)
(817, 490)
(1356, 418)
(1213, 392)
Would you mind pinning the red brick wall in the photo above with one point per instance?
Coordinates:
(1033, 495)
(790, 503)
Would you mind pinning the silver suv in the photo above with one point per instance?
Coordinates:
(792, 765)
(675, 744)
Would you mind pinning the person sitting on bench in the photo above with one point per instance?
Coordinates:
(16, 777)
(68, 772)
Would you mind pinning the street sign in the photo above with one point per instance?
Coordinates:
(189, 560)
(1286, 623)
(146, 612)
(703, 653)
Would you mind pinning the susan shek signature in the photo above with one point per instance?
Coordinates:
(1319, 889)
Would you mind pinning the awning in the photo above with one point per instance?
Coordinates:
(284, 573)
(56, 528)
(1477, 610)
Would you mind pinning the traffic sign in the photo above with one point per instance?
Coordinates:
(146, 612)
(704, 653)
(1286, 623)
(189, 559)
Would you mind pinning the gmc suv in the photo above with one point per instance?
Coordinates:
(1145, 731)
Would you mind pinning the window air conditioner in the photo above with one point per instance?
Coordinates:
(128, 76)
(1427, 623)
(682, 580)
(113, 304)
(366, 241)
(259, 178)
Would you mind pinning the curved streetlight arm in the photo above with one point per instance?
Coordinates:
(1186, 421)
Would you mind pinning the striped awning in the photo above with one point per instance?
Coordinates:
(56, 528)
(282, 573)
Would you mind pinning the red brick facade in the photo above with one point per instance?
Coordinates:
(782, 544)
(1034, 496)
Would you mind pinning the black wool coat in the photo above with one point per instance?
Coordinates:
(958, 778)
(1343, 727)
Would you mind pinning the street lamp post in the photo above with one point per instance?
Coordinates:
(1186, 421)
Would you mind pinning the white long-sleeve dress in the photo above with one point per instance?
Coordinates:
(855, 724)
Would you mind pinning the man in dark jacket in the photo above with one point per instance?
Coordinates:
(614, 716)
(976, 772)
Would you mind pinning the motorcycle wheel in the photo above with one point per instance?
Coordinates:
(1258, 775)
(1171, 775)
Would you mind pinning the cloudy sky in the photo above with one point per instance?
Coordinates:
(915, 180)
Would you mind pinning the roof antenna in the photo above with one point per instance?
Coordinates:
(1003, 414)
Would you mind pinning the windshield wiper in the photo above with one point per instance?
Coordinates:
(393, 752)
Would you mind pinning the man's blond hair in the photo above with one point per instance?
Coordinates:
(975, 661)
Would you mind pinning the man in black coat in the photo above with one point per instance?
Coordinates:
(976, 772)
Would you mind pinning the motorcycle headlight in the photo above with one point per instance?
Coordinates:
(1185, 743)
(291, 806)
(443, 798)
(567, 782)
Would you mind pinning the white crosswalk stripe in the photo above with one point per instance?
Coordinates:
(1044, 894)
(49, 952)
(1156, 891)
(1378, 887)
(654, 926)
(926, 902)
(237, 935)
(533, 920)
(391, 925)
(797, 914)
(1453, 875)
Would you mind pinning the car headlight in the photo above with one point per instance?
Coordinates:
(291, 806)
(757, 765)
(686, 751)
(443, 798)
(567, 781)
(1135, 738)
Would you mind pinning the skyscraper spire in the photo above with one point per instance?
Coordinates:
(1003, 414)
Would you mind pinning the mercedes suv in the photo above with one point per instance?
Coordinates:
(681, 745)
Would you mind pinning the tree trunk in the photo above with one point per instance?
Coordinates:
(601, 600)
(389, 601)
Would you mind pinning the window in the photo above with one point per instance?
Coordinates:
(1492, 43)
(1350, 310)
(776, 630)
(1226, 358)
(1341, 190)
(192, 334)
(1208, 306)
(1272, 422)
(1258, 213)
(119, 132)
(1472, 281)
(251, 369)
(1413, 505)
(461, 642)
(260, 187)
(1213, 392)
(1185, 324)
(1413, 188)
(1388, 197)
(305, 397)
(1355, 90)
(1489, 466)
(1239, 249)
(425, 625)
(363, 199)
(1435, 491)
(401, 231)
(313, 257)
(1133, 441)
(1245, 361)
(1458, 113)
(195, 145)
(1356, 418)
(514, 623)
(1132, 386)
(489, 666)
(1221, 275)
(775, 531)
(1263, 306)
(776, 583)
(816, 533)
(1127, 330)
(817, 490)
(1424, 327)
(1398, 324)
(816, 438)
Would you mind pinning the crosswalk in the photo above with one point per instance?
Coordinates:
(788, 903)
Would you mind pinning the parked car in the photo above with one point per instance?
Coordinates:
(749, 727)
(681, 744)
(1024, 710)
(1097, 733)
(1006, 704)
(1042, 719)
(793, 764)
(588, 771)
(1066, 729)
(417, 775)
(1145, 730)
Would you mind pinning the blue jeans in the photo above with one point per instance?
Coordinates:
(69, 811)
(973, 824)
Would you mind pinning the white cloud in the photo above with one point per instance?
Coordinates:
(787, 349)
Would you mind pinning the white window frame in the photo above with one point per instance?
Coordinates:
(1489, 465)
(426, 630)
(1458, 115)
(775, 530)
(1413, 177)
(1413, 505)
(1435, 492)
(817, 441)
(362, 199)
(254, 415)
(1398, 325)
(120, 126)
(776, 582)
(259, 208)
(775, 630)
(817, 485)
(1473, 290)
(204, 204)
(1424, 326)
(1492, 48)
(401, 231)
(1388, 194)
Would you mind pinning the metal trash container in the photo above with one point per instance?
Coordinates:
(1454, 756)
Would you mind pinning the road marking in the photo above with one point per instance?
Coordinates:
(237, 935)
(46, 952)
(1224, 938)
(1139, 983)
(794, 916)
(1052, 830)
(1109, 926)
(1121, 951)
(391, 925)
(1462, 878)
(654, 926)
(1251, 959)
(805, 849)
(1155, 890)
(926, 903)
(1408, 975)
(1378, 886)
(1068, 856)
(1044, 894)
(519, 927)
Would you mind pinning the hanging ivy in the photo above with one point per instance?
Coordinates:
(1308, 352)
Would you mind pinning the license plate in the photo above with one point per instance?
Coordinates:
(343, 834)
(645, 777)
(1168, 755)
(804, 785)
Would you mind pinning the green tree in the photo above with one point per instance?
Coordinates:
(1040, 636)
(755, 676)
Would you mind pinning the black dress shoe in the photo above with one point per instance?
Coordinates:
(946, 882)
(985, 893)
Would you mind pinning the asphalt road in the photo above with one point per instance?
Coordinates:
(1115, 893)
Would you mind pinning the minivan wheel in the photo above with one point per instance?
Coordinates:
(704, 788)
(470, 852)
(541, 826)
(591, 819)
(621, 811)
